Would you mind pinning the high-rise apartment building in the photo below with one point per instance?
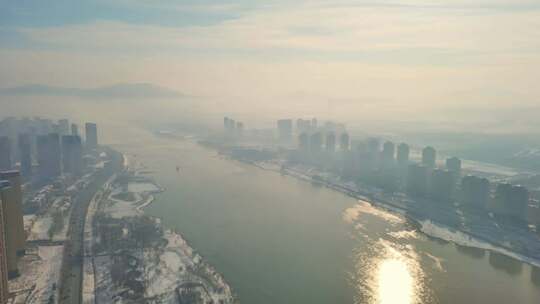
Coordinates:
(373, 146)
(303, 141)
(91, 136)
(417, 180)
(5, 153)
(25, 152)
(63, 127)
(7, 196)
(225, 123)
(475, 191)
(231, 126)
(303, 125)
(75, 129)
(388, 154)
(315, 142)
(314, 124)
(330, 142)
(49, 156)
(285, 129)
(403, 154)
(344, 142)
(15, 208)
(511, 201)
(72, 154)
(443, 185)
(239, 129)
(454, 164)
(4, 290)
(429, 157)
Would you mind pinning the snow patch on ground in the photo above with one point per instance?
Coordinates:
(141, 187)
(38, 276)
(105, 290)
(352, 214)
(40, 228)
(432, 229)
(120, 209)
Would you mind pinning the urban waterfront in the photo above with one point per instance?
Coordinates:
(277, 239)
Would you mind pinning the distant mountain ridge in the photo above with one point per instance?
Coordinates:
(121, 91)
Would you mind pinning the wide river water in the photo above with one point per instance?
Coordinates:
(277, 239)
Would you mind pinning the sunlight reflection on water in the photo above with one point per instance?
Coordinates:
(395, 283)
(398, 277)
(389, 274)
(387, 270)
(352, 214)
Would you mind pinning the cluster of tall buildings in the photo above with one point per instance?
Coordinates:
(12, 235)
(233, 128)
(390, 168)
(307, 129)
(446, 184)
(41, 150)
(56, 148)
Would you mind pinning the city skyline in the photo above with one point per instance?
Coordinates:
(339, 64)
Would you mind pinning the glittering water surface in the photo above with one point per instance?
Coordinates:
(394, 282)
(386, 271)
(280, 240)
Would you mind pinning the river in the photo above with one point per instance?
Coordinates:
(277, 239)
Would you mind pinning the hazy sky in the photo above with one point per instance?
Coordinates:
(391, 59)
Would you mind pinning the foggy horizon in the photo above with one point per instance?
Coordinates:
(458, 64)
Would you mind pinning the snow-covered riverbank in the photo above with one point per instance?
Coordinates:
(442, 222)
(165, 271)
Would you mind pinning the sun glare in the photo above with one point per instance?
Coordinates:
(395, 283)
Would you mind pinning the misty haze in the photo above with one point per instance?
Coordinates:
(225, 152)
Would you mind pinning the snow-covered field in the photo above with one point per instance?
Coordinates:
(39, 276)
